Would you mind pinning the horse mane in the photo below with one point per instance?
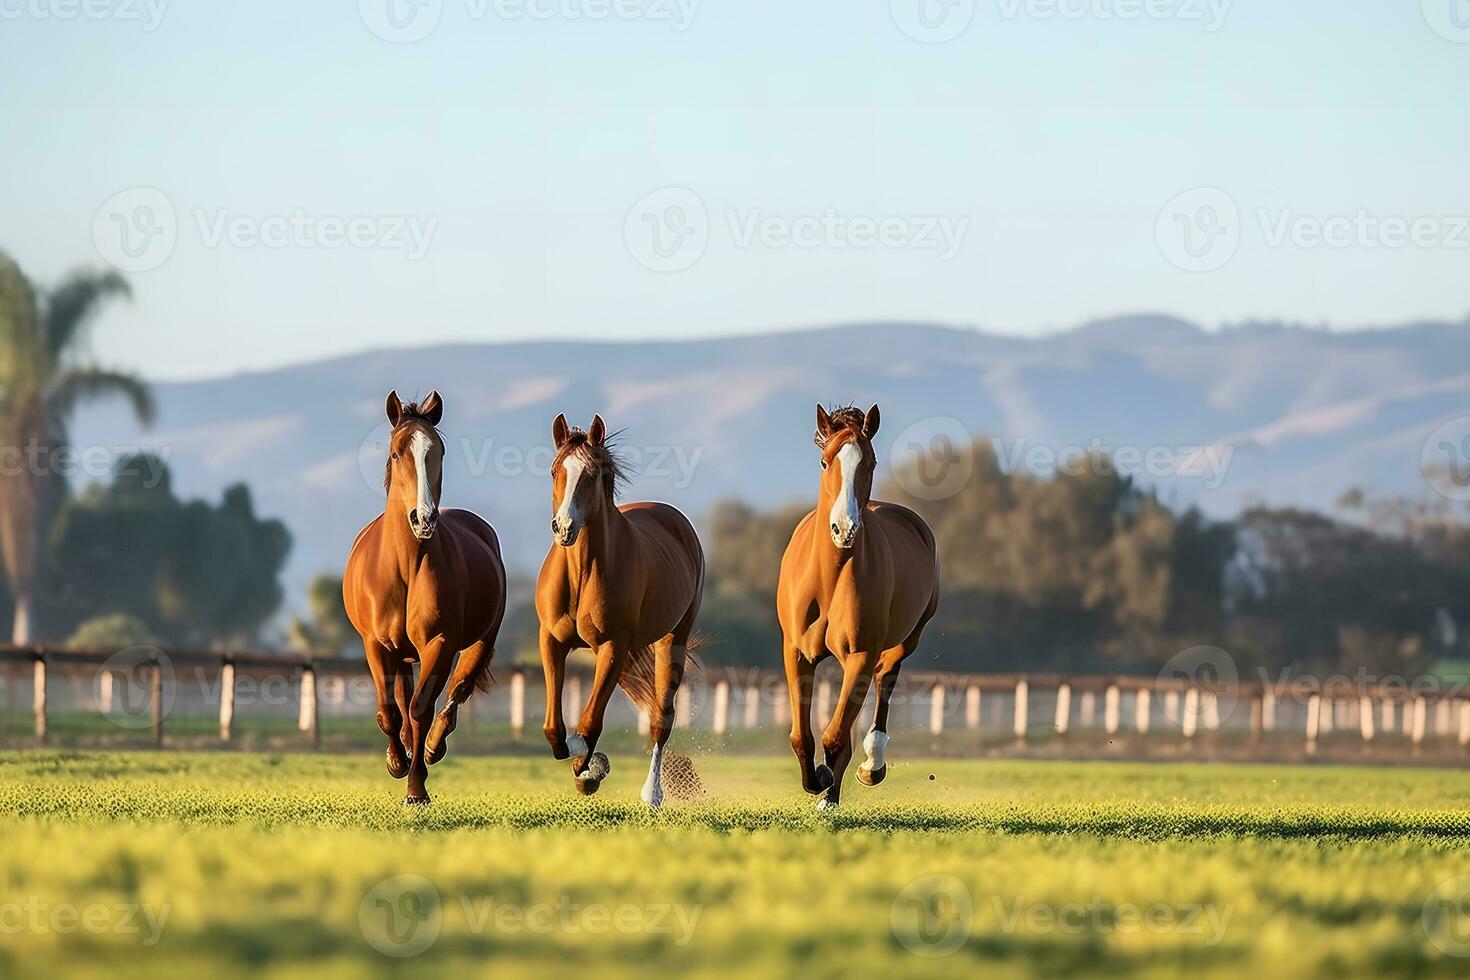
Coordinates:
(607, 458)
(843, 417)
(410, 413)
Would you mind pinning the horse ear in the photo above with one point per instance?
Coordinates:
(824, 422)
(432, 408)
(395, 408)
(597, 431)
(870, 422)
(559, 429)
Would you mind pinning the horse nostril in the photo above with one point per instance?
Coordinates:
(413, 516)
(553, 525)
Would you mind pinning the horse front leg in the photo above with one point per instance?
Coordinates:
(384, 665)
(433, 673)
(800, 673)
(554, 667)
(589, 766)
(857, 674)
(875, 766)
(470, 670)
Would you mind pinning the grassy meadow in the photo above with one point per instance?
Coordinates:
(164, 864)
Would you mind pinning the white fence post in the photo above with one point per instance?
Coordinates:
(226, 701)
(1142, 709)
(722, 706)
(936, 709)
(518, 703)
(1064, 708)
(1111, 698)
(972, 708)
(1020, 720)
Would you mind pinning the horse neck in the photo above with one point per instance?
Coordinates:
(601, 542)
(405, 549)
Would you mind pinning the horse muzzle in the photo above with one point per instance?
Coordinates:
(844, 534)
(565, 534)
(423, 528)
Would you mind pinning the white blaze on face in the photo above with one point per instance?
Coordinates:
(566, 512)
(419, 447)
(845, 508)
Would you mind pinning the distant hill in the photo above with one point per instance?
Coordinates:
(1307, 412)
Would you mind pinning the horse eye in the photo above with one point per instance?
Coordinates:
(395, 455)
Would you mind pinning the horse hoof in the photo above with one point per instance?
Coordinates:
(397, 765)
(560, 752)
(872, 777)
(825, 805)
(821, 779)
(587, 784)
(412, 800)
(437, 744)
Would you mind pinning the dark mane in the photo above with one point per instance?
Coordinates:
(604, 459)
(409, 413)
(843, 417)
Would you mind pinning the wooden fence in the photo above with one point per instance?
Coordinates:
(1127, 703)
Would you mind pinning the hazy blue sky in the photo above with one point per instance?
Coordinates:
(520, 136)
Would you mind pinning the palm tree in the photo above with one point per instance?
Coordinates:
(44, 375)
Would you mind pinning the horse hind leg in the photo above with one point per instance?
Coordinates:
(385, 667)
(669, 661)
(471, 671)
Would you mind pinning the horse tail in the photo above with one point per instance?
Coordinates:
(638, 673)
(482, 678)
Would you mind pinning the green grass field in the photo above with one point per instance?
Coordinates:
(225, 864)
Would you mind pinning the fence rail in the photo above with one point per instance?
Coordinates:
(755, 696)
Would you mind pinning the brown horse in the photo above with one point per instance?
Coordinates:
(422, 585)
(625, 582)
(859, 581)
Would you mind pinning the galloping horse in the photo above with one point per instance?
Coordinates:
(624, 581)
(422, 585)
(861, 588)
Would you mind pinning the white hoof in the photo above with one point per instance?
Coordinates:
(653, 796)
(873, 745)
(824, 805)
(576, 745)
